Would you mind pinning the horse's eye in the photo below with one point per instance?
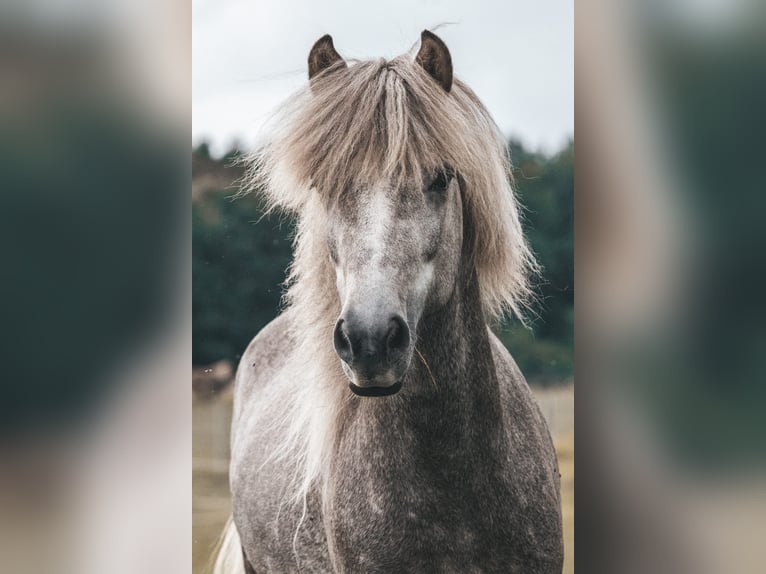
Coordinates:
(441, 181)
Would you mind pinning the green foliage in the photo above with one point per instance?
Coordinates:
(202, 150)
(239, 262)
(238, 267)
(545, 186)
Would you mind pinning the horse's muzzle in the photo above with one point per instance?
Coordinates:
(375, 353)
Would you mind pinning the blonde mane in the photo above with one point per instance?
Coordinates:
(374, 121)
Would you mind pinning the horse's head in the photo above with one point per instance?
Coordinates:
(398, 176)
(395, 245)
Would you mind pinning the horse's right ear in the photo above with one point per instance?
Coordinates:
(323, 56)
(435, 59)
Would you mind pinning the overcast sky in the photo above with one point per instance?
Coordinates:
(249, 55)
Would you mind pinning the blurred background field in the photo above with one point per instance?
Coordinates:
(210, 485)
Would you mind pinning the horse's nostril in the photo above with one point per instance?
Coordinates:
(398, 337)
(342, 342)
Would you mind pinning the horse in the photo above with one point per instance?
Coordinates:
(379, 425)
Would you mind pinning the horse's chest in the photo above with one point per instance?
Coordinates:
(385, 537)
(442, 511)
(432, 523)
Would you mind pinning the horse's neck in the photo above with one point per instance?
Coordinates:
(454, 371)
(454, 343)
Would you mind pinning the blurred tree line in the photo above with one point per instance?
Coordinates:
(240, 257)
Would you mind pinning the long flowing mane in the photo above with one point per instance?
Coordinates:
(377, 121)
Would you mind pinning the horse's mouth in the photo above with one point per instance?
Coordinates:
(375, 391)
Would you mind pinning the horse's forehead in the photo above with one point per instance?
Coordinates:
(361, 202)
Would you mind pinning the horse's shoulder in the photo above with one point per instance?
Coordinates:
(513, 385)
(504, 363)
(538, 479)
(520, 405)
(264, 356)
(268, 345)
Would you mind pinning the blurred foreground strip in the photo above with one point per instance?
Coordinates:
(671, 260)
(94, 296)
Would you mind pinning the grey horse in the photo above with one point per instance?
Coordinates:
(379, 424)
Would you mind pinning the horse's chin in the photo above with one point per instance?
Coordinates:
(378, 386)
(375, 391)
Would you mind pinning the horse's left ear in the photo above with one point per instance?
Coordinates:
(323, 55)
(435, 59)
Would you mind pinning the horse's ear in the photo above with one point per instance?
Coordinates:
(435, 59)
(323, 56)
